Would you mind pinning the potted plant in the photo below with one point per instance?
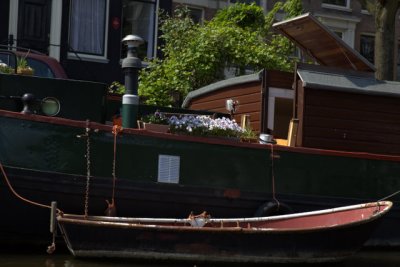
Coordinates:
(23, 67)
(156, 122)
(116, 88)
(4, 68)
(249, 136)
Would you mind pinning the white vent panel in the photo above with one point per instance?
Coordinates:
(168, 169)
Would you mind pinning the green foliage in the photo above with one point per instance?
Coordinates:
(238, 37)
(248, 133)
(22, 63)
(6, 69)
(245, 16)
(157, 118)
(116, 88)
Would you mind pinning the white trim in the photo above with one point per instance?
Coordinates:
(344, 24)
(365, 12)
(281, 93)
(271, 112)
(13, 20)
(274, 93)
(55, 29)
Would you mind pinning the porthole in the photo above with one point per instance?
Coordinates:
(50, 106)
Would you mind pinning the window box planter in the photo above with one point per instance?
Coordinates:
(161, 128)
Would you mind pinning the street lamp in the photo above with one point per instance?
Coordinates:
(131, 66)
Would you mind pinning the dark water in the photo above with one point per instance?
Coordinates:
(365, 258)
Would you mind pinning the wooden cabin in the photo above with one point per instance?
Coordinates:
(336, 104)
(265, 97)
(339, 105)
(347, 110)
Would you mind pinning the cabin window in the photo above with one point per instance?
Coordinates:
(139, 18)
(88, 29)
(367, 50)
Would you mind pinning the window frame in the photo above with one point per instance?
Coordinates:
(368, 35)
(239, 1)
(338, 7)
(190, 7)
(154, 45)
(87, 56)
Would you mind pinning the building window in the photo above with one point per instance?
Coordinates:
(245, 1)
(138, 18)
(367, 43)
(196, 14)
(344, 3)
(338, 33)
(88, 28)
(342, 26)
(337, 4)
(364, 9)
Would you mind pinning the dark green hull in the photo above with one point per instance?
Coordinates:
(45, 161)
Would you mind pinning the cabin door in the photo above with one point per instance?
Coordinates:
(34, 24)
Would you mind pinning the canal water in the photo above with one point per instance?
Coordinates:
(365, 258)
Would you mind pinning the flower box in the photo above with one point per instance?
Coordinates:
(249, 139)
(161, 128)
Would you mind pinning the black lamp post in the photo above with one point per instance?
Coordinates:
(131, 66)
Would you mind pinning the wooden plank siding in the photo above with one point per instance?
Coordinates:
(248, 95)
(347, 121)
(252, 96)
(280, 79)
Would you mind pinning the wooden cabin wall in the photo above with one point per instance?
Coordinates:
(248, 95)
(280, 79)
(348, 121)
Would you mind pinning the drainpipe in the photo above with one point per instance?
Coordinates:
(131, 66)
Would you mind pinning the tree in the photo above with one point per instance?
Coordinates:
(195, 55)
(384, 12)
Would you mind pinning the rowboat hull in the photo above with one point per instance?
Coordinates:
(321, 236)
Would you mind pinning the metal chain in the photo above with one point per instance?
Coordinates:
(87, 168)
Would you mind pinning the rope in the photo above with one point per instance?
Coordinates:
(116, 129)
(389, 196)
(18, 195)
(52, 247)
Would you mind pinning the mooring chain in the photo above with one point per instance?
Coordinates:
(87, 155)
(87, 169)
